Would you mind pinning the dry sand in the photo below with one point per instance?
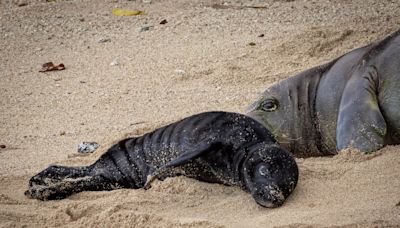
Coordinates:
(201, 60)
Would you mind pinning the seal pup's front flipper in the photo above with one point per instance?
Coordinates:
(360, 121)
(200, 149)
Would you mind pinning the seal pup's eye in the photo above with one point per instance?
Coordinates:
(269, 105)
(263, 170)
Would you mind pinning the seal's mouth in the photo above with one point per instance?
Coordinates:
(270, 196)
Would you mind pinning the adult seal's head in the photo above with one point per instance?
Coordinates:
(270, 174)
(273, 109)
(350, 102)
(286, 110)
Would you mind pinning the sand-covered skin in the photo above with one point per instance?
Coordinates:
(201, 60)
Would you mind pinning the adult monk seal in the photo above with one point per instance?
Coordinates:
(217, 147)
(353, 101)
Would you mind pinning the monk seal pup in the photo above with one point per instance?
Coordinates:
(216, 147)
(351, 102)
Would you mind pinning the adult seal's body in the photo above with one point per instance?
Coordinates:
(353, 101)
(218, 147)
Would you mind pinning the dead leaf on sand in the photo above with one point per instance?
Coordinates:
(50, 67)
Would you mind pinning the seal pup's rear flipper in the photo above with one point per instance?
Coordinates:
(58, 182)
(360, 121)
(200, 149)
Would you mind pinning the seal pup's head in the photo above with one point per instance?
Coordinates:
(270, 174)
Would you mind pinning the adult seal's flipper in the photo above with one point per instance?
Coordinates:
(202, 148)
(360, 121)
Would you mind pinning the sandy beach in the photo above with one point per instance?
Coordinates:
(128, 75)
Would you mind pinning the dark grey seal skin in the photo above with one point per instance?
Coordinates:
(351, 102)
(216, 147)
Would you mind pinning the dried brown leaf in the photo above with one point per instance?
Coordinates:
(49, 66)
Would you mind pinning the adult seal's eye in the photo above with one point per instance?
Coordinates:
(264, 171)
(269, 105)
